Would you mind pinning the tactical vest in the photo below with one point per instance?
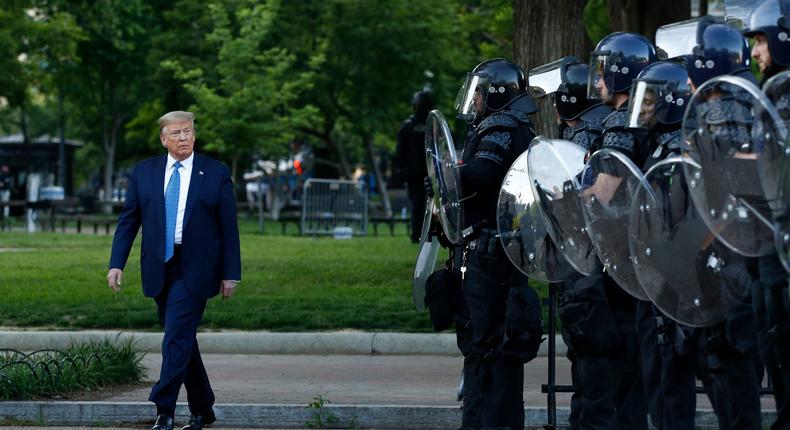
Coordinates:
(510, 132)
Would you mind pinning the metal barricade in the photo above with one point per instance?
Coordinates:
(328, 204)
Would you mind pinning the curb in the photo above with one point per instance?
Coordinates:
(342, 343)
(85, 414)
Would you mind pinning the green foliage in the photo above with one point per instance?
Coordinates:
(320, 418)
(251, 106)
(50, 373)
(259, 75)
(596, 20)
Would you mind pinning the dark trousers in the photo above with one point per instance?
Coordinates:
(592, 406)
(770, 300)
(629, 395)
(730, 380)
(180, 315)
(493, 383)
(417, 198)
(667, 371)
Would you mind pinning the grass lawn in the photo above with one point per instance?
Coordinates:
(290, 283)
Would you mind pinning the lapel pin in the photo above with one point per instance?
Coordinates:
(200, 172)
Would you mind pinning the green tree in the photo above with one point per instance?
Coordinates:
(35, 41)
(250, 107)
(376, 54)
(111, 80)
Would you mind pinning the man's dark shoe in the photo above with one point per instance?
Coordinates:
(163, 422)
(197, 421)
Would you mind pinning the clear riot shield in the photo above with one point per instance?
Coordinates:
(680, 265)
(734, 135)
(607, 184)
(783, 244)
(555, 167)
(426, 258)
(777, 89)
(522, 229)
(442, 160)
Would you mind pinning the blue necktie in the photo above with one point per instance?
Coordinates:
(171, 210)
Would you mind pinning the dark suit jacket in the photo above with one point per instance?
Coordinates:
(210, 236)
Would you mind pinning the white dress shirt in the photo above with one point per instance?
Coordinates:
(185, 172)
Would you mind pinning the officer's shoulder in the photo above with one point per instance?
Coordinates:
(408, 122)
(596, 114)
(497, 120)
(615, 119)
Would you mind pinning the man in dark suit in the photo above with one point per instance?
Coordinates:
(189, 253)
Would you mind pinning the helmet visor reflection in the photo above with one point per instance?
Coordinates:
(644, 105)
(677, 39)
(465, 100)
(545, 79)
(596, 85)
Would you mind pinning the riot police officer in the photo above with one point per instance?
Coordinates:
(495, 103)
(616, 61)
(659, 97)
(581, 122)
(768, 24)
(726, 353)
(410, 157)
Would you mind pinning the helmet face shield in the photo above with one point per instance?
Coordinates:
(546, 79)
(647, 105)
(597, 87)
(469, 101)
(490, 87)
(758, 15)
(677, 39)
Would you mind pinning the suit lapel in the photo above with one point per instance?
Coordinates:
(159, 194)
(195, 182)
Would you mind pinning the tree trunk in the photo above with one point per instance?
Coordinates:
(62, 144)
(341, 156)
(110, 144)
(380, 182)
(26, 139)
(541, 35)
(644, 17)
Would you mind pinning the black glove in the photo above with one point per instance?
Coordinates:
(428, 187)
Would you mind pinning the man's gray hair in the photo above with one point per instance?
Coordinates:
(175, 116)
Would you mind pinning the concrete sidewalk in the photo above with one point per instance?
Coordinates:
(273, 391)
(368, 380)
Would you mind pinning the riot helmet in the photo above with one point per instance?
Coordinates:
(422, 102)
(659, 96)
(771, 18)
(616, 61)
(490, 87)
(720, 50)
(566, 79)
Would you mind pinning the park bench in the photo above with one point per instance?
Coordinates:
(390, 222)
(81, 219)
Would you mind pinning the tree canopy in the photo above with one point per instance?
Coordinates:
(337, 74)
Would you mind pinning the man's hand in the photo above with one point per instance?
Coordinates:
(114, 278)
(227, 288)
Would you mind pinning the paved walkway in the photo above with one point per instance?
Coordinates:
(273, 390)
